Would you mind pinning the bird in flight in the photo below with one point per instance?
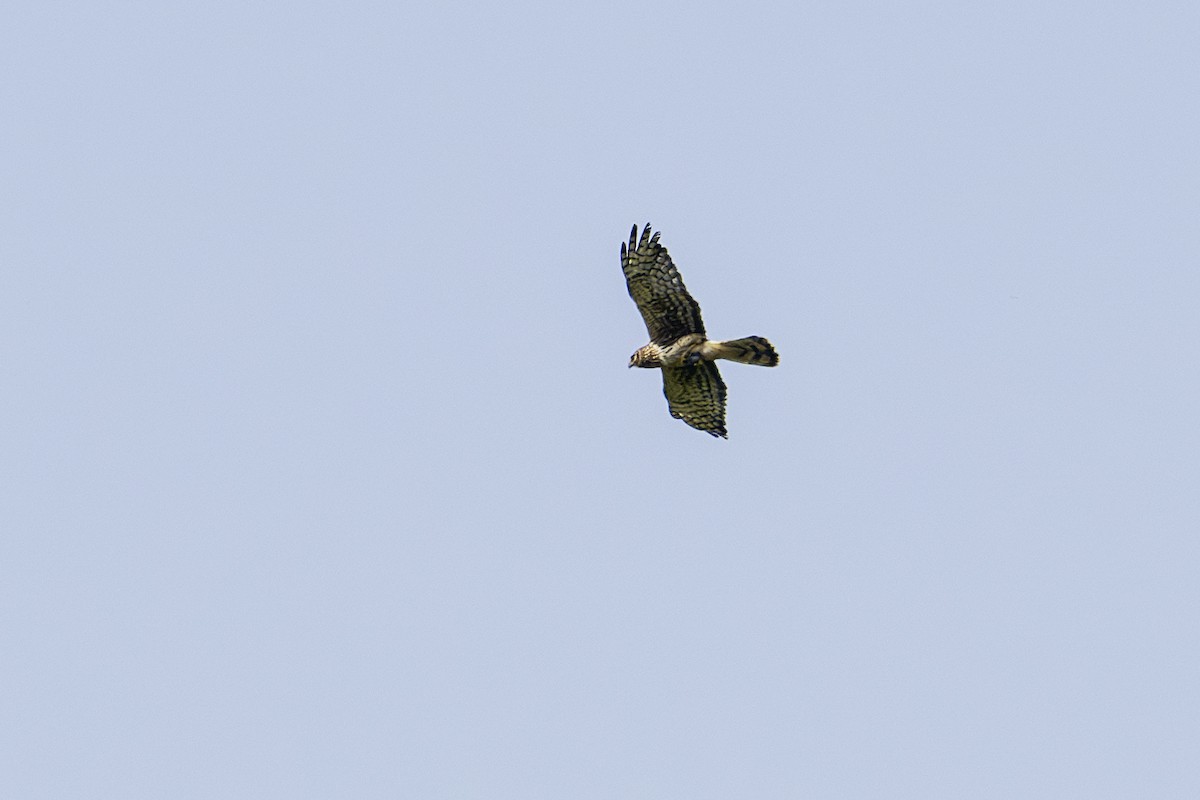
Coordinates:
(678, 344)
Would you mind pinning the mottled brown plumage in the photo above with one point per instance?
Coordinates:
(678, 344)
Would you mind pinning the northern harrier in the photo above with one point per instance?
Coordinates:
(678, 345)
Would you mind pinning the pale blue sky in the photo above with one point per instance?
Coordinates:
(324, 476)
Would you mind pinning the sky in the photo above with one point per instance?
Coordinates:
(323, 473)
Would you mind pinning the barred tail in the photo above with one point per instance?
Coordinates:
(751, 350)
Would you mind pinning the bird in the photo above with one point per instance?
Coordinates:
(678, 343)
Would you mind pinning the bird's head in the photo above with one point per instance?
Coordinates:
(648, 357)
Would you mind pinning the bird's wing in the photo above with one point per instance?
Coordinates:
(655, 285)
(696, 395)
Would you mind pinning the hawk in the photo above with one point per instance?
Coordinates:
(678, 345)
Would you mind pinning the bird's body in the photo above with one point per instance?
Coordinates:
(674, 354)
(678, 344)
(689, 349)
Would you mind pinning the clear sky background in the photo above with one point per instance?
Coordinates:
(324, 475)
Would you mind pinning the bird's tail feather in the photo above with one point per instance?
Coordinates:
(750, 350)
